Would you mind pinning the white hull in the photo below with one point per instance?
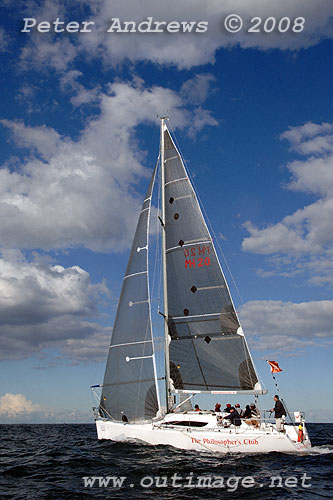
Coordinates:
(211, 438)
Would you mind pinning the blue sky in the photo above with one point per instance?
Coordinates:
(79, 137)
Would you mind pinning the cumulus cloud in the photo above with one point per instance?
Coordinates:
(69, 193)
(44, 305)
(16, 408)
(69, 81)
(309, 230)
(16, 405)
(310, 138)
(315, 175)
(195, 90)
(94, 347)
(30, 291)
(163, 48)
(288, 326)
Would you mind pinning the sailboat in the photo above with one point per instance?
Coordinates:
(204, 347)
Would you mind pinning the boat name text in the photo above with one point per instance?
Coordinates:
(225, 442)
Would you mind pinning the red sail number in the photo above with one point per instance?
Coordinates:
(189, 263)
(194, 252)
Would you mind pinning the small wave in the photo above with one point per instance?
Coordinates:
(321, 450)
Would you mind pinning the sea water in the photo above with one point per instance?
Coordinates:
(68, 462)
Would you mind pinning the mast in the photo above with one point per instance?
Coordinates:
(165, 285)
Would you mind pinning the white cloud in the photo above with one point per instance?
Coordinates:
(82, 95)
(288, 326)
(201, 118)
(315, 175)
(44, 305)
(44, 51)
(42, 140)
(310, 138)
(164, 48)
(16, 408)
(69, 193)
(196, 90)
(317, 268)
(31, 291)
(309, 230)
(16, 405)
(91, 348)
(3, 40)
(77, 340)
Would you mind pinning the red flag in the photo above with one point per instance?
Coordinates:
(274, 367)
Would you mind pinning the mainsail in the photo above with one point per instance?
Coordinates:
(129, 390)
(208, 351)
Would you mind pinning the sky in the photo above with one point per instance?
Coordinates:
(79, 131)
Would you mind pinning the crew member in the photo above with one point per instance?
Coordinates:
(255, 412)
(247, 412)
(280, 412)
(239, 409)
(233, 417)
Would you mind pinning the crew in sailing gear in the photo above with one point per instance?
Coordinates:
(233, 417)
(227, 408)
(196, 407)
(247, 412)
(255, 412)
(239, 409)
(217, 407)
(254, 416)
(280, 413)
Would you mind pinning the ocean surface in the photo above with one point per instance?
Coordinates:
(67, 462)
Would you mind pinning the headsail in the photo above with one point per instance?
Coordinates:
(130, 386)
(208, 350)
